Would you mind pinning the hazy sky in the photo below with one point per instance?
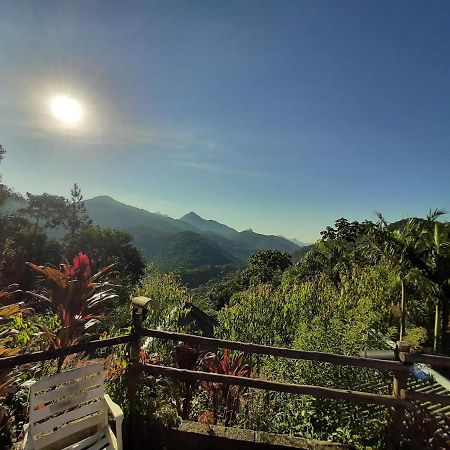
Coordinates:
(277, 115)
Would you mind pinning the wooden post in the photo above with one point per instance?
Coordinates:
(403, 312)
(436, 327)
(139, 312)
(400, 382)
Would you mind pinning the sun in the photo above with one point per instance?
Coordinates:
(66, 109)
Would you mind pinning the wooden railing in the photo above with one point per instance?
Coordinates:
(10, 362)
(400, 399)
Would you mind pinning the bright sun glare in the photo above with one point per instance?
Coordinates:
(66, 109)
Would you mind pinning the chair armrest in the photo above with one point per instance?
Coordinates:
(115, 409)
(117, 413)
(25, 444)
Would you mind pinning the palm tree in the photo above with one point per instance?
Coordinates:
(398, 248)
(435, 241)
(419, 252)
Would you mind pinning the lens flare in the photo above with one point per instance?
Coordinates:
(66, 109)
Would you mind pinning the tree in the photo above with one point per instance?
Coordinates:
(344, 231)
(77, 216)
(266, 266)
(335, 253)
(19, 242)
(105, 245)
(48, 211)
(399, 247)
(435, 244)
(220, 293)
(6, 193)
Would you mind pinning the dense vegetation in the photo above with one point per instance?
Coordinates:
(359, 287)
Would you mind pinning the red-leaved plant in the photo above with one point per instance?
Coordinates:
(78, 298)
(225, 397)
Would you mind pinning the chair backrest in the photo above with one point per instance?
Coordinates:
(67, 404)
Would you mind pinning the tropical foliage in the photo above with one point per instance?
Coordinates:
(77, 297)
(225, 397)
(358, 288)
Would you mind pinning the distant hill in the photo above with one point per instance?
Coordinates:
(239, 244)
(107, 212)
(182, 243)
(297, 242)
(264, 242)
(208, 226)
(189, 250)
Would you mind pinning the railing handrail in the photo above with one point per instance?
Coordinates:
(256, 383)
(434, 360)
(19, 360)
(356, 361)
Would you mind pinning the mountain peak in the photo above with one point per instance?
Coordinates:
(105, 198)
(191, 215)
(208, 226)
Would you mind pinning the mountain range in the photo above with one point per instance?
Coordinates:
(188, 242)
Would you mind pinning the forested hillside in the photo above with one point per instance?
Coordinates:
(158, 236)
(167, 241)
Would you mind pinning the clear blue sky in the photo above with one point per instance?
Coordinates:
(276, 115)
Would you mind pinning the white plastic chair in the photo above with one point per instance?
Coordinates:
(70, 411)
